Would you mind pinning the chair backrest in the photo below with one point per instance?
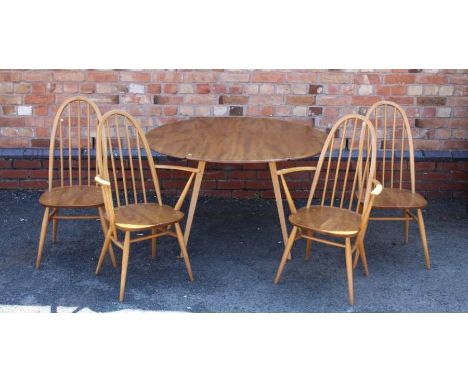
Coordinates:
(346, 182)
(123, 157)
(75, 122)
(395, 142)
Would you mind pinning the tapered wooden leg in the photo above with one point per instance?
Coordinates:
(54, 227)
(183, 248)
(279, 203)
(362, 255)
(406, 224)
(287, 250)
(123, 277)
(349, 270)
(153, 245)
(104, 230)
(45, 222)
(193, 201)
(308, 248)
(104, 249)
(422, 232)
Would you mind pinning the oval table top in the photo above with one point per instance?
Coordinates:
(236, 140)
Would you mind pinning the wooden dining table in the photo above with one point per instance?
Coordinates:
(236, 140)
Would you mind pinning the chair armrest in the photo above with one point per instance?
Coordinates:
(101, 181)
(377, 189)
(179, 168)
(295, 169)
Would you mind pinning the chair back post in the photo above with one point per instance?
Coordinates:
(119, 136)
(384, 115)
(353, 135)
(61, 128)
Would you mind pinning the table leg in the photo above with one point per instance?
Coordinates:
(194, 199)
(279, 203)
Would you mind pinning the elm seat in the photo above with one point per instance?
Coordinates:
(136, 217)
(398, 199)
(72, 197)
(328, 220)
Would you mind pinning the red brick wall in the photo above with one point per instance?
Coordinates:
(434, 179)
(436, 100)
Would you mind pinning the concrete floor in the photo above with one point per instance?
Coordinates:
(235, 248)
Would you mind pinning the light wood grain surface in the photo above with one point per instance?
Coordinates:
(236, 140)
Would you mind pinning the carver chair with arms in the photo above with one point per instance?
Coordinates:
(341, 187)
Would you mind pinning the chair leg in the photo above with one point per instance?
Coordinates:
(45, 222)
(104, 230)
(183, 249)
(54, 227)
(104, 249)
(308, 248)
(362, 254)
(286, 252)
(422, 232)
(349, 270)
(406, 224)
(153, 245)
(126, 253)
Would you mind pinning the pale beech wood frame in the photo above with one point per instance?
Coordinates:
(69, 186)
(362, 181)
(388, 110)
(108, 180)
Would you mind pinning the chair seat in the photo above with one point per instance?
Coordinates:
(399, 199)
(72, 197)
(136, 217)
(328, 220)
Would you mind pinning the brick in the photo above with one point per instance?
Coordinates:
(259, 76)
(37, 75)
(39, 99)
(283, 111)
(9, 110)
(9, 75)
(22, 88)
(203, 88)
(430, 90)
(414, 70)
(415, 90)
(446, 90)
(402, 100)
(431, 79)
(266, 89)
(9, 184)
(136, 88)
(170, 110)
(244, 194)
(234, 76)
(314, 111)
(455, 101)
(12, 122)
(333, 100)
(428, 112)
(266, 100)
(230, 184)
(220, 110)
(168, 100)
(236, 110)
(24, 110)
(365, 89)
(70, 87)
(235, 90)
(10, 100)
(306, 77)
(200, 76)
(201, 99)
(399, 79)
(135, 76)
(69, 75)
(185, 89)
(88, 88)
(233, 100)
(301, 89)
(336, 78)
(458, 123)
(102, 76)
(315, 89)
(300, 111)
(300, 100)
(169, 76)
(186, 110)
(6, 163)
(154, 88)
(202, 111)
(437, 101)
(6, 87)
(365, 100)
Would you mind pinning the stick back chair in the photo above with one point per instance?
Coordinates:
(341, 188)
(123, 156)
(397, 178)
(71, 181)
